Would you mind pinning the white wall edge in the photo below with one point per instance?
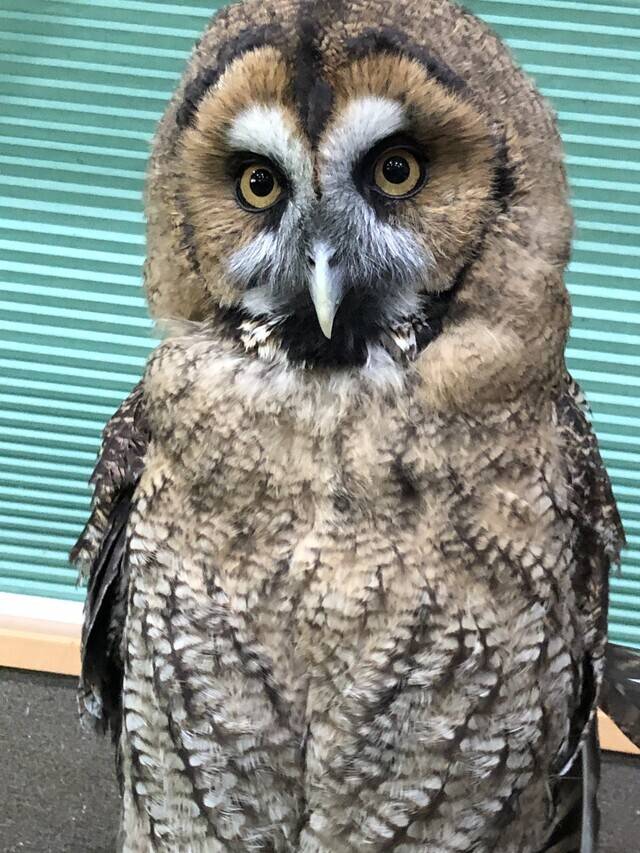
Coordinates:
(37, 607)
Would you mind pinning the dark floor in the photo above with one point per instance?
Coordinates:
(58, 790)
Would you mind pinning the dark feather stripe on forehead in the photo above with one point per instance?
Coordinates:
(313, 93)
(249, 39)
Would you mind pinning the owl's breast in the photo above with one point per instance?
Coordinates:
(356, 595)
(296, 511)
(330, 513)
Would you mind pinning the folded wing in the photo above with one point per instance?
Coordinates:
(101, 556)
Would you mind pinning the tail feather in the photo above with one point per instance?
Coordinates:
(576, 819)
(591, 783)
(620, 697)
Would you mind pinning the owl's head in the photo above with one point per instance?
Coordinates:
(336, 179)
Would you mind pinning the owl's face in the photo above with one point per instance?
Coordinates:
(335, 182)
(344, 231)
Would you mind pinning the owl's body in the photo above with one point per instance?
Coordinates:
(348, 580)
(362, 630)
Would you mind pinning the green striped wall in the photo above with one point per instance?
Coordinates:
(82, 84)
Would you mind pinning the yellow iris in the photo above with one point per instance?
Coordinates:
(397, 173)
(259, 187)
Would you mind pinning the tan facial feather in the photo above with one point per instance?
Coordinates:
(449, 213)
(259, 78)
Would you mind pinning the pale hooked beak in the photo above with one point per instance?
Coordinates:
(325, 286)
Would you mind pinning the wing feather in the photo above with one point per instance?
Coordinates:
(599, 539)
(101, 556)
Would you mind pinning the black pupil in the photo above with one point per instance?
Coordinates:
(261, 183)
(396, 169)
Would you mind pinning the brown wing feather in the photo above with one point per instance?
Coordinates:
(599, 539)
(101, 555)
(593, 495)
(120, 463)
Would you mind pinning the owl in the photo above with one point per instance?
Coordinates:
(351, 533)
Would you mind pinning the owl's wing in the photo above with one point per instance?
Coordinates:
(600, 542)
(101, 555)
(599, 538)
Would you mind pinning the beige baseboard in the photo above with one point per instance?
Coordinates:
(48, 646)
(40, 645)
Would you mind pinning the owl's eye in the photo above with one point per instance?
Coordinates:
(258, 187)
(398, 174)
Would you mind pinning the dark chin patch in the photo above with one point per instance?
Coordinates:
(359, 324)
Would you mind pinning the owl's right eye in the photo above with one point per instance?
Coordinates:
(258, 187)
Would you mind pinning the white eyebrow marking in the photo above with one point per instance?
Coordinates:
(265, 130)
(364, 122)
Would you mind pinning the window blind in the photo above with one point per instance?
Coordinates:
(82, 85)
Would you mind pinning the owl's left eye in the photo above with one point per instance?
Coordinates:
(258, 187)
(398, 173)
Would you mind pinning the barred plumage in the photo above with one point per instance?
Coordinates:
(351, 534)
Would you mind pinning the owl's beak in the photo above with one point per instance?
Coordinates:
(325, 286)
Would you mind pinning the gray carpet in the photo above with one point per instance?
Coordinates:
(58, 790)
